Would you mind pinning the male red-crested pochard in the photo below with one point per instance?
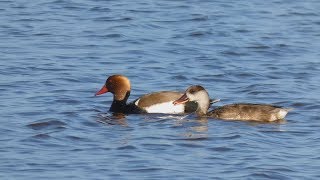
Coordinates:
(157, 102)
(241, 111)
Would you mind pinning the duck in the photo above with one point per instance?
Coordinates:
(156, 102)
(238, 111)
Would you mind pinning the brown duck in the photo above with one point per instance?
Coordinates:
(240, 111)
(156, 102)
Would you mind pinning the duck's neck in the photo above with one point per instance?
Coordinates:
(203, 104)
(119, 105)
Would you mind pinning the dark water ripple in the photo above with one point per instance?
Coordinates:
(55, 54)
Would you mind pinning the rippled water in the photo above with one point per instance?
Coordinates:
(55, 54)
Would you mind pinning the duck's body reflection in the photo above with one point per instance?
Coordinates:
(194, 128)
(112, 119)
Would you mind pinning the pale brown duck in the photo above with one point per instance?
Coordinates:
(240, 111)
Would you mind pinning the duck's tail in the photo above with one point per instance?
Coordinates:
(282, 112)
(288, 109)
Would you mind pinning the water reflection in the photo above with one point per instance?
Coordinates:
(189, 126)
(277, 122)
(194, 128)
(112, 119)
(202, 125)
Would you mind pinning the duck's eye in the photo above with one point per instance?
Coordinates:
(192, 91)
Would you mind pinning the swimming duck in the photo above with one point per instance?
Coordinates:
(157, 102)
(241, 111)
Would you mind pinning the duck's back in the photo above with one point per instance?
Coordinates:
(248, 112)
(162, 102)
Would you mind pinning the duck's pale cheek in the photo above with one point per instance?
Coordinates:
(167, 107)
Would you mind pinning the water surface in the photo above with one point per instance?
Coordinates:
(55, 54)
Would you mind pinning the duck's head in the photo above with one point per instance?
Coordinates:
(118, 85)
(197, 94)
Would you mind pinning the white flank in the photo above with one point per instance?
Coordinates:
(136, 103)
(167, 107)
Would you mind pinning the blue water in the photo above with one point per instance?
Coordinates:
(55, 54)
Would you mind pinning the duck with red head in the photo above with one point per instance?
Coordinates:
(240, 111)
(157, 102)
